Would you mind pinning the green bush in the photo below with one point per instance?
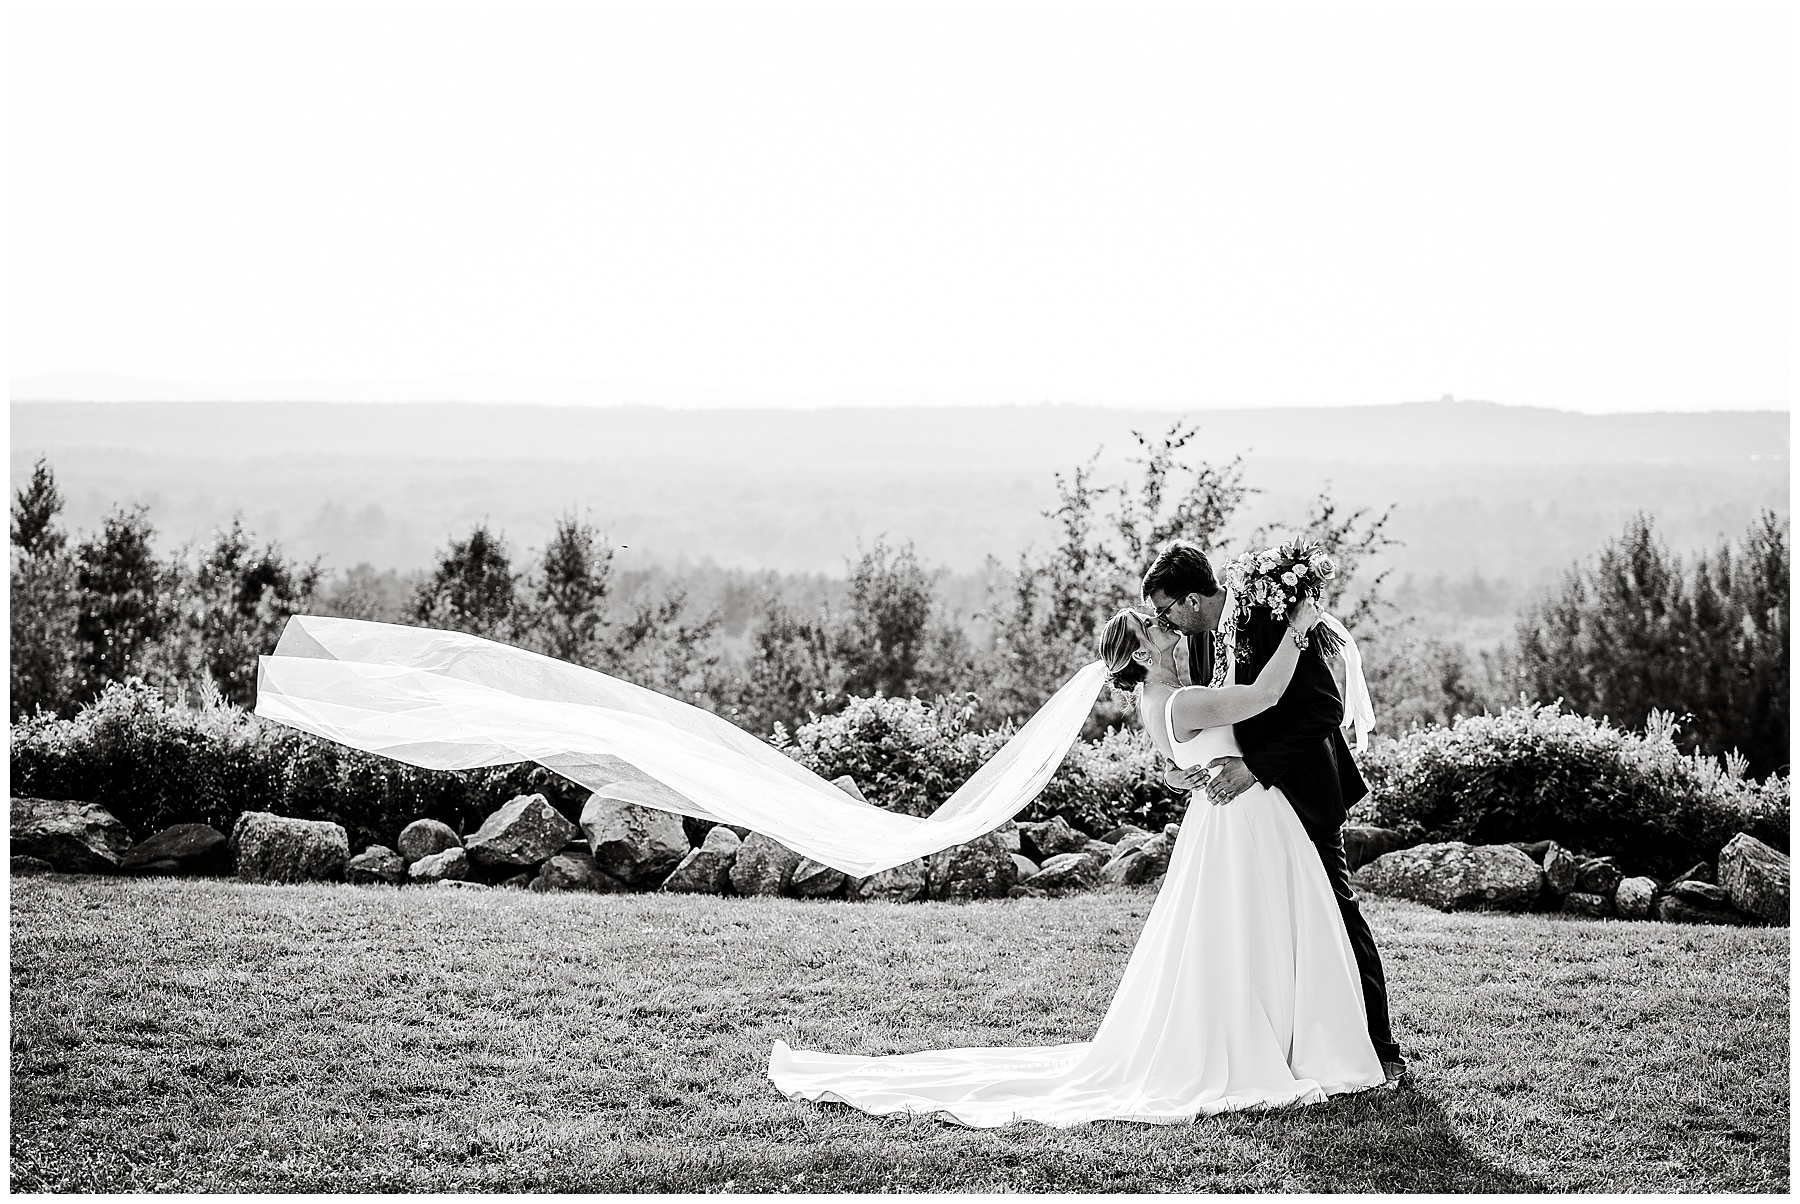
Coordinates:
(909, 756)
(1535, 772)
(153, 764)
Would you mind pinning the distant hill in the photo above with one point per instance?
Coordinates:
(1512, 492)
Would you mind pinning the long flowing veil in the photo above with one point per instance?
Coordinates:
(1359, 709)
(446, 700)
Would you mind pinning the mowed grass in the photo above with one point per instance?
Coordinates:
(210, 1036)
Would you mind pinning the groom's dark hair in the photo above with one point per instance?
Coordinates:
(1181, 569)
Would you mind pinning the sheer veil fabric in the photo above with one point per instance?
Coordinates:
(446, 700)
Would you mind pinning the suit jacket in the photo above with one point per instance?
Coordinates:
(1297, 744)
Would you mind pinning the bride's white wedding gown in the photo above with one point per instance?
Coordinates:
(1242, 992)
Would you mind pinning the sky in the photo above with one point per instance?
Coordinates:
(1582, 206)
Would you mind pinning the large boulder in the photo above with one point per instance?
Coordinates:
(637, 845)
(1143, 862)
(574, 871)
(1453, 876)
(707, 869)
(376, 864)
(1130, 839)
(1598, 876)
(1099, 852)
(74, 837)
(1049, 837)
(763, 866)
(1534, 849)
(525, 831)
(1363, 843)
(1634, 898)
(451, 865)
(1703, 872)
(1704, 893)
(902, 884)
(980, 869)
(1011, 837)
(1586, 903)
(1755, 876)
(1695, 902)
(423, 837)
(1025, 865)
(1065, 872)
(816, 880)
(273, 848)
(181, 849)
(1560, 868)
(1124, 832)
(30, 867)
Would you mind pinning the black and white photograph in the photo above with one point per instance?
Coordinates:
(871, 597)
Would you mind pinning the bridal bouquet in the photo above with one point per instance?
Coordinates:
(1277, 578)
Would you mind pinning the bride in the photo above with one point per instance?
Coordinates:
(1242, 991)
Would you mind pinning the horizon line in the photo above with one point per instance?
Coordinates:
(773, 402)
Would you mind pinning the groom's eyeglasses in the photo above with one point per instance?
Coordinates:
(1162, 613)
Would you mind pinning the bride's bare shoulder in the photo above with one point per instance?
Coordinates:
(1187, 714)
(1153, 704)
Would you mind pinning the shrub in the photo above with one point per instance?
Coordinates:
(909, 756)
(1114, 780)
(153, 764)
(1535, 771)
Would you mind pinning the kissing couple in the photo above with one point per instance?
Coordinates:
(1255, 982)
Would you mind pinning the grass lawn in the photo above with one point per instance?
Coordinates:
(209, 1036)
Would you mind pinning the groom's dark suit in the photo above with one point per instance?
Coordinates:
(1298, 745)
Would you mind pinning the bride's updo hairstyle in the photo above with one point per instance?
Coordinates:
(1118, 640)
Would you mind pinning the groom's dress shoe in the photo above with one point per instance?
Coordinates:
(1397, 1073)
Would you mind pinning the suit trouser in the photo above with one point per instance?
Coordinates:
(1362, 943)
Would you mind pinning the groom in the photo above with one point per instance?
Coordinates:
(1297, 745)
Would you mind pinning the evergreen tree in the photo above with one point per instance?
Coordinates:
(42, 599)
(35, 507)
(122, 600)
(1632, 632)
(571, 591)
(472, 588)
(883, 640)
(237, 603)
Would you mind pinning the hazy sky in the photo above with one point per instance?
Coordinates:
(1575, 205)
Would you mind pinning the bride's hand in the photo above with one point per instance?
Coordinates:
(1304, 615)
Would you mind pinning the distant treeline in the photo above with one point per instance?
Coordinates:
(1508, 492)
(1630, 630)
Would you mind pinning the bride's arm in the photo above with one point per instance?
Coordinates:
(1197, 707)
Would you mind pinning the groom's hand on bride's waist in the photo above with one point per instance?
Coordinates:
(1184, 780)
(1234, 777)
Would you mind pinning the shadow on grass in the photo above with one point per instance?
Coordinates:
(1383, 1141)
(1398, 1141)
